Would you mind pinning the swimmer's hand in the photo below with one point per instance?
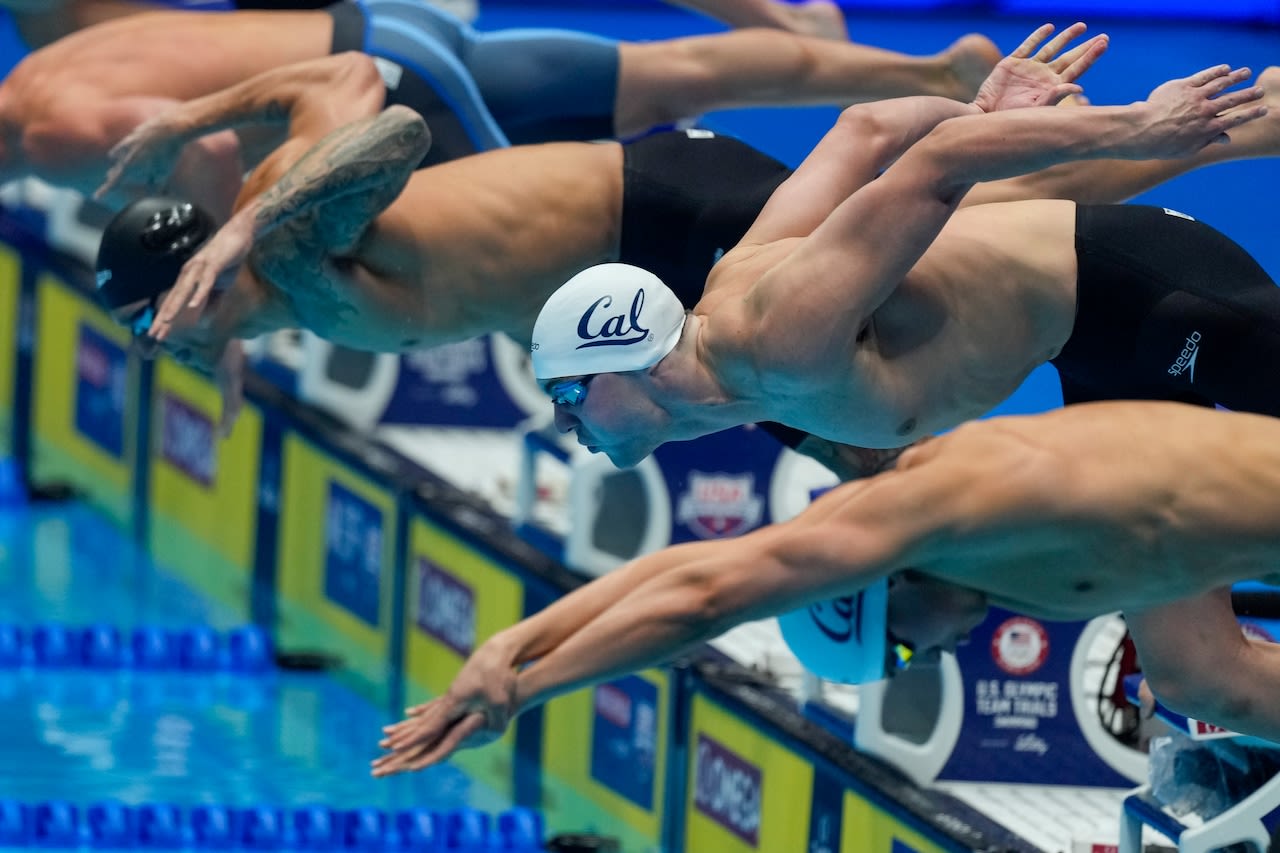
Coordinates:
(229, 375)
(1031, 77)
(1147, 708)
(221, 359)
(145, 159)
(475, 711)
(1183, 116)
(220, 258)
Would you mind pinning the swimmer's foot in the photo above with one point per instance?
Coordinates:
(820, 18)
(968, 61)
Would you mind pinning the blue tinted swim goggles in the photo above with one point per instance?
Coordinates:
(141, 322)
(569, 392)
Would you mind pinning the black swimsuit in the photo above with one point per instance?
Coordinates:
(1169, 309)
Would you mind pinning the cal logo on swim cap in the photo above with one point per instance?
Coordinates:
(844, 639)
(610, 318)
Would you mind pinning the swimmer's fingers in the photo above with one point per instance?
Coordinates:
(109, 183)
(421, 752)
(1028, 45)
(1219, 76)
(1074, 63)
(115, 175)
(177, 299)
(457, 738)
(426, 726)
(144, 159)
(1056, 45)
(1060, 93)
(230, 378)
(1239, 97)
(1237, 117)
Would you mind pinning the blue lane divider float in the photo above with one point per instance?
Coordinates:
(13, 489)
(193, 649)
(164, 826)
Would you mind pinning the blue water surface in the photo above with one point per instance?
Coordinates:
(283, 739)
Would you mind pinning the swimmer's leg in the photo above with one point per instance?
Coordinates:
(541, 76)
(820, 18)
(662, 82)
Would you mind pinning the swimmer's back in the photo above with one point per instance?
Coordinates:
(172, 54)
(1209, 474)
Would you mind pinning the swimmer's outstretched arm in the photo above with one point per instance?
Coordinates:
(870, 137)
(1114, 181)
(317, 210)
(866, 247)
(689, 594)
(535, 636)
(1199, 663)
(301, 102)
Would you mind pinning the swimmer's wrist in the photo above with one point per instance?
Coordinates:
(503, 647)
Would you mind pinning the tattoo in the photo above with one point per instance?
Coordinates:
(318, 209)
(364, 165)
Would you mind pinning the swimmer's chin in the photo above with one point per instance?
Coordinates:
(620, 460)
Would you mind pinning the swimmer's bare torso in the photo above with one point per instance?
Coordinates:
(992, 298)
(468, 248)
(1068, 514)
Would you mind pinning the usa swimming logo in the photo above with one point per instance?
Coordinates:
(615, 330)
(715, 506)
(1186, 360)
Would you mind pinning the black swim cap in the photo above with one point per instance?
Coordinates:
(144, 247)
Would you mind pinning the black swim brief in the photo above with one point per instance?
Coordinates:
(1169, 309)
(687, 198)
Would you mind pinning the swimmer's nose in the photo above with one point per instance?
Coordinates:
(565, 422)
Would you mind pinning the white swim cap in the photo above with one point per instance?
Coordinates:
(610, 318)
(844, 639)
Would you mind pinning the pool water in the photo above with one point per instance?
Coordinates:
(282, 739)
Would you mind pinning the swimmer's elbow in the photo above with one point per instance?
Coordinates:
(867, 134)
(734, 588)
(356, 70)
(410, 129)
(1208, 694)
(709, 602)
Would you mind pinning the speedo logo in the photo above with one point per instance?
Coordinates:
(612, 330)
(1186, 360)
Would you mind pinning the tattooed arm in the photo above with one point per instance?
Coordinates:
(283, 111)
(317, 210)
